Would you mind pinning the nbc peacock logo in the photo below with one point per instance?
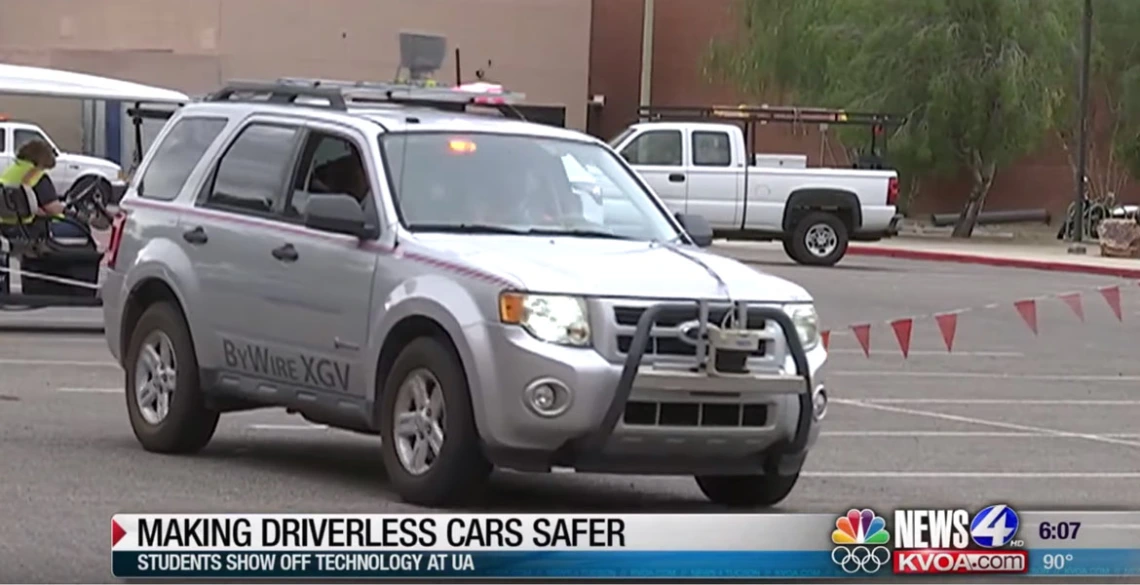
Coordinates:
(860, 536)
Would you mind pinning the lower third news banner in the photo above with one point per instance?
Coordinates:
(992, 540)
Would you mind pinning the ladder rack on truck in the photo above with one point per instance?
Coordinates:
(750, 116)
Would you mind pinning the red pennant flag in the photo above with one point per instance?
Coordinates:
(1028, 311)
(903, 328)
(948, 325)
(1074, 302)
(863, 336)
(1111, 295)
(825, 337)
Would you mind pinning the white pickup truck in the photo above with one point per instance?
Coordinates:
(702, 168)
(72, 172)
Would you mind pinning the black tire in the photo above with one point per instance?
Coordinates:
(102, 189)
(189, 424)
(787, 241)
(461, 467)
(747, 491)
(801, 253)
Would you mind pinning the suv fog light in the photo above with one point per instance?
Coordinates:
(548, 397)
(819, 403)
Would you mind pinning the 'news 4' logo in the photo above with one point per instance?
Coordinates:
(994, 527)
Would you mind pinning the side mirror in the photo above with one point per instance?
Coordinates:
(697, 227)
(337, 213)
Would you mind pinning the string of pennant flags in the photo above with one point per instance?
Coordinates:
(947, 321)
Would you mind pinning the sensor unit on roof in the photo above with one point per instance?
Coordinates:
(421, 54)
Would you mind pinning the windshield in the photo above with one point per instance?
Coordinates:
(616, 140)
(494, 183)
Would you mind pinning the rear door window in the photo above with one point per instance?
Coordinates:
(253, 173)
(711, 149)
(177, 156)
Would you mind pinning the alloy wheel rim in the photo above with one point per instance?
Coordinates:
(419, 421)
(156, 377)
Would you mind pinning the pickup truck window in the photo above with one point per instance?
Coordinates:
(253, 172)
(656, 147)
(177, 155)
(23, 136)
(3, 140)
(711, 149)
(523, 185)
(616, 140)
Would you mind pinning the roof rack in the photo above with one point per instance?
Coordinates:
(339, 95)
(766, 114)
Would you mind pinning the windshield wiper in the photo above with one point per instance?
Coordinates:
(465, 228)
(578, 233)
(478, 228)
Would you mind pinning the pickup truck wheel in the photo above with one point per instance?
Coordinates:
(818, 239)
(164, 397)
(747, 491)
(431, 448)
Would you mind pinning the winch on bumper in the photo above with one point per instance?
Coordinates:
(712, 412)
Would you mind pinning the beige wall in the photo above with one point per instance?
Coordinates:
(539, 47)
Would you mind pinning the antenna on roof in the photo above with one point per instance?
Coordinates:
(421, 55)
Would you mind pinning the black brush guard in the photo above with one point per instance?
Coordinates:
(596, 440)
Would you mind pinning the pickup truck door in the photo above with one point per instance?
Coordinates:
(658, 155)
(716, 178)
(6, 153)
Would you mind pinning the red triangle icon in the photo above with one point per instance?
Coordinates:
(117, 533)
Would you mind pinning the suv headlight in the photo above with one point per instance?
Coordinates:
(551, 318)
(807, 324)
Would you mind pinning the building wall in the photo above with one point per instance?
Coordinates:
(538, 47)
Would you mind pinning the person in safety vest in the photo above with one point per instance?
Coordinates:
(33, 160)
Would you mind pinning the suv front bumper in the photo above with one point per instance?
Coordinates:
(598, 431)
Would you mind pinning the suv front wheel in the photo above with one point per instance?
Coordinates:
(430, 445)
(747, 491)
(164, 399)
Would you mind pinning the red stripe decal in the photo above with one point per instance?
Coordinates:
(348, 241)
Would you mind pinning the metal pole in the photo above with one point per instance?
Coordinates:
(646, 52)
(1082, 137)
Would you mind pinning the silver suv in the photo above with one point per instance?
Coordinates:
(477, 290)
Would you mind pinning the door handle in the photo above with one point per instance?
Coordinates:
(286, 253)
(196, 236)
(676, 178)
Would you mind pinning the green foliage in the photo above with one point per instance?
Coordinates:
(980, 81)
(1116, 70)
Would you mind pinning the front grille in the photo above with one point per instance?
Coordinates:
(674, 317)
(694, 414)
(672, 344)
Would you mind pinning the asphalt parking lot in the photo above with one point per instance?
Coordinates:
(1042, 422)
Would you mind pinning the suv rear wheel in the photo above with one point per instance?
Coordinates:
(747, 491)
(164, 399)
(431, 448)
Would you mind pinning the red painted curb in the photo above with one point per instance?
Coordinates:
(963, 258)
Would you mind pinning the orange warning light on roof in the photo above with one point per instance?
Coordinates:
(461, 146)
(4, 118)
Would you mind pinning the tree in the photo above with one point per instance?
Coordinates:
(1115, 97)
(979, 80)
